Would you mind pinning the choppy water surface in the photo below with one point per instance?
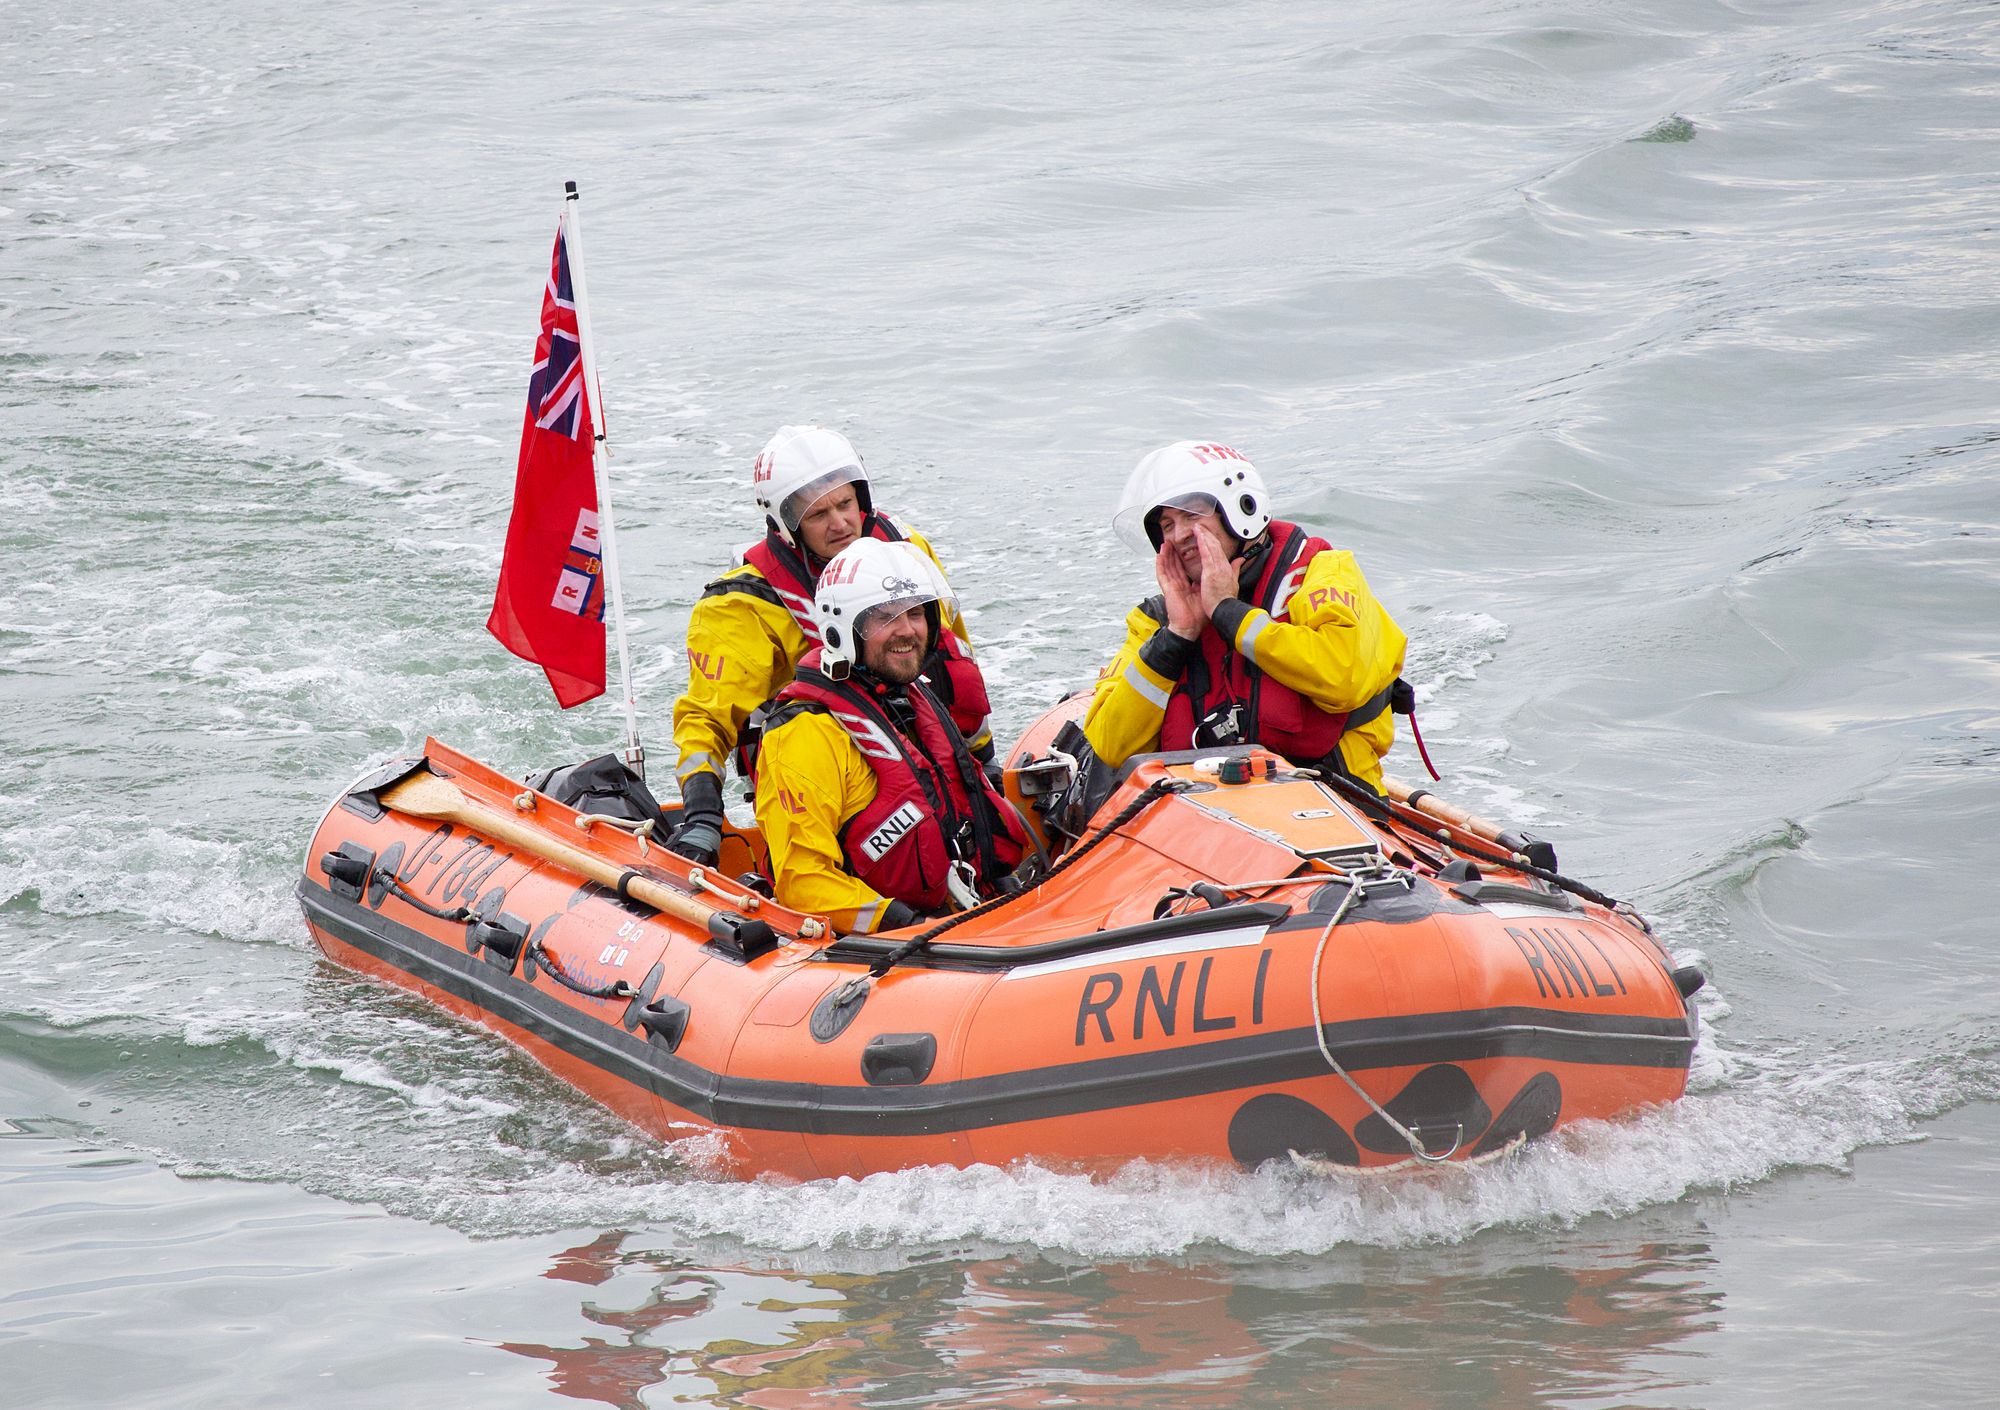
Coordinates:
(1646, 361)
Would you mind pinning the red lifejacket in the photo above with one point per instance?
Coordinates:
(953, 675)
(933, 804)
(1272, 714)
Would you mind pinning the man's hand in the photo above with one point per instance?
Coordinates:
(1218, 575)
(1185, 614)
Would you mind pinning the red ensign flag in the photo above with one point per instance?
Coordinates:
(549, 607)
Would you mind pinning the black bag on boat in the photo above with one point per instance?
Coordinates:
(605, 786)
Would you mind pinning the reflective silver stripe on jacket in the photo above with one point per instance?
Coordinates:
(1258, 621)
(1138, 682)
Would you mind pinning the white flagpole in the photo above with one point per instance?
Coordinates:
(600, 452)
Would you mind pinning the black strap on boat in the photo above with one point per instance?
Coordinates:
(1388, 810)
(457, 915)
(1158, 788)
(546, 962)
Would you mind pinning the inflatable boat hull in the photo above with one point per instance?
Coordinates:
(1112, 1014)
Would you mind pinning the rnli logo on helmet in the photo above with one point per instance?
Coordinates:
(875, 846)
(841, 571)
(760, 472)
(1209, 454)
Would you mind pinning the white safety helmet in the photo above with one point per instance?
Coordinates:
(1191, 475)
(868, 581)
(800, 466)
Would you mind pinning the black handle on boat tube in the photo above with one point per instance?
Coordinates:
(505, 935)
(1538, 851)
(349, 868)
(741, 936)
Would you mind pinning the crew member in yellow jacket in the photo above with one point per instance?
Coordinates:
(752, 624)
(874, 809)
(1261, 633)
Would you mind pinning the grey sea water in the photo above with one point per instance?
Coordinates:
(1643, 354)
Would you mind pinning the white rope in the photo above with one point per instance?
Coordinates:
(639, 830)
(1355, 887)
(1311, 878)
(1318, 1166)
(746, 901)
(810, 927)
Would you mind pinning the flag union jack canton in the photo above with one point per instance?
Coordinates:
(549, 605)
(555, 392)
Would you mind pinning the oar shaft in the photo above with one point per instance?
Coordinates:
(429, 796)
(1429, 804)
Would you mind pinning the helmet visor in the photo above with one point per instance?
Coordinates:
(882, 614)
(1196, 503)
(1148, 518)
(1137, 522)
(914, 582)
(799, 502)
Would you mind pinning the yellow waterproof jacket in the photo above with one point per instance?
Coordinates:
(811, 779)
(741, 651)
(1339, 649)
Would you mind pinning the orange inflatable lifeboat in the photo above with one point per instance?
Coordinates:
(1229, 959)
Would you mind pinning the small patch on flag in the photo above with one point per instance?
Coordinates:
(582, 572)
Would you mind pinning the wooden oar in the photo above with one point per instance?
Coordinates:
(1432, 806)
(425, 795)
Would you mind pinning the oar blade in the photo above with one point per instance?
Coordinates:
(425, 795)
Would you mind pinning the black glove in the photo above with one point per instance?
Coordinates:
(896, 915)
(699, 837)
